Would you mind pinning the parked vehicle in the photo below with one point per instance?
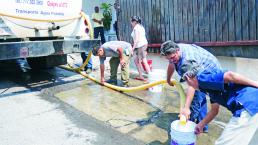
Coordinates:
(43, 31)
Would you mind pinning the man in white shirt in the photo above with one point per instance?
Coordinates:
(97, 19)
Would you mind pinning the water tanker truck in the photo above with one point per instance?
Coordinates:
(43, 31)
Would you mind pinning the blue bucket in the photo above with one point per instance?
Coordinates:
(182, 134)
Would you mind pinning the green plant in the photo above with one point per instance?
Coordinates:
(107, 14)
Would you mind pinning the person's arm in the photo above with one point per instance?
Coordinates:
(170, 71)
(136, 38)
(120, 53)
(95, 20)
(239, 79)
(209, 117)
(102, 70)
(189, 98)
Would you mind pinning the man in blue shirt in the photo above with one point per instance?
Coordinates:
(178, 54)
(233, 91)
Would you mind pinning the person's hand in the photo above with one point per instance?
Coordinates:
(256, 84)
(170, 83)
(199, 128)
(123, 63)
(186, 112)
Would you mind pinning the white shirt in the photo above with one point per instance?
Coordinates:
(97, 16)
(142, 37)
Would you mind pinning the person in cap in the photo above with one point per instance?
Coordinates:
(120, 53)
(233, 91)
(177, 55)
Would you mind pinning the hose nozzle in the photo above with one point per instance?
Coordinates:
(182, 120)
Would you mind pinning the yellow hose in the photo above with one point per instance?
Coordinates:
(181, 93)
(133, 89)
(90, 53)
(83, 65)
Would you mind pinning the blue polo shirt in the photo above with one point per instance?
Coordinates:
(234, 97)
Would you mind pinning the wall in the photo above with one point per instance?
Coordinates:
(192, 20)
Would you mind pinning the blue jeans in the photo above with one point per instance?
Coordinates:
(199, 108)
(84, 56)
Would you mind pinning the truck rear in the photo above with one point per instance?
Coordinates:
(43, 31)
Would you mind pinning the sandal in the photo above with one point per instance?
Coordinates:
(145, 81)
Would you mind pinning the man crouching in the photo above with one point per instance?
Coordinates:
(120, 53)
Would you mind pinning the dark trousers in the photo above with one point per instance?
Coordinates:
(97, 31)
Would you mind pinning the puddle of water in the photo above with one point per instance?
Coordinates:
(143, 115)
(136, 114)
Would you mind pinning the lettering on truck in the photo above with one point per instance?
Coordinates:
(31, 2)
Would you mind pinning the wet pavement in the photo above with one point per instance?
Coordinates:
(31, 115)
(60, 107)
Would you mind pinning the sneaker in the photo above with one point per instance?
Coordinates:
(88, 70)
(126, 85)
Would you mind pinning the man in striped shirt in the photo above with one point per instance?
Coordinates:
(178, 54)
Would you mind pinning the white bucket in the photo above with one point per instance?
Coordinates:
(182, 134)
(156, 75)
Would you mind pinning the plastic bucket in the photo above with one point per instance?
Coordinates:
(156, 75)
(150, 64)
(182, 134)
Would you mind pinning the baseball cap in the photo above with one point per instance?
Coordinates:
(190, 68)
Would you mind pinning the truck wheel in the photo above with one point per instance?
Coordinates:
(47, 62)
